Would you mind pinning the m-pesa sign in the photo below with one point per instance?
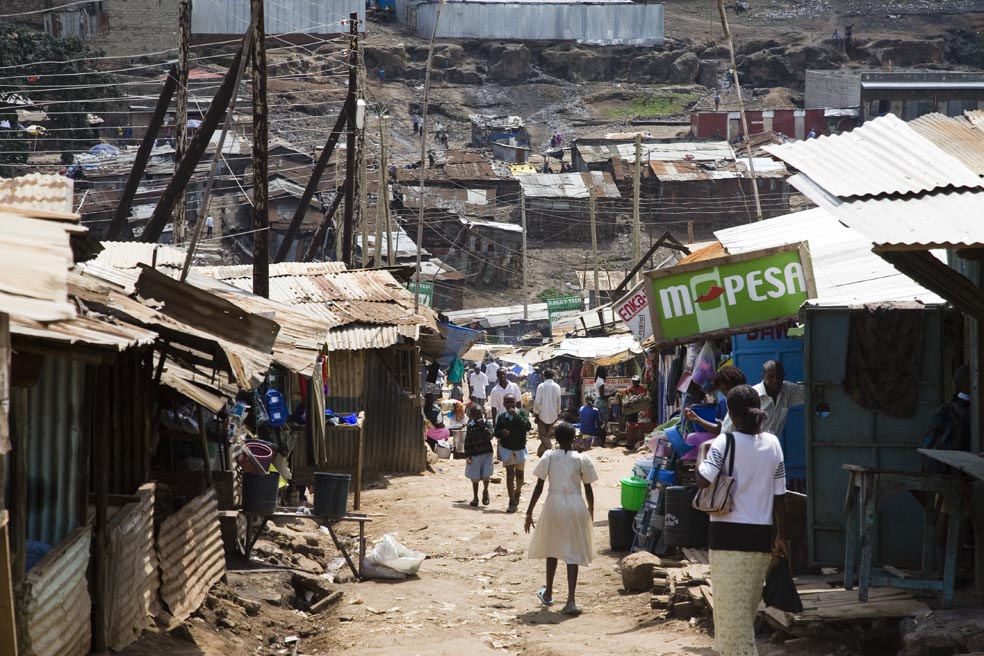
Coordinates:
(729, 295)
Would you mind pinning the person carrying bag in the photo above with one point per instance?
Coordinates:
(743, 487)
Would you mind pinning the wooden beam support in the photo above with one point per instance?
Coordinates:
(182, 174)
(261, 129)
(319, 236)
(143, 155)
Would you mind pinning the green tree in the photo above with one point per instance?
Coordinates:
(59, 75)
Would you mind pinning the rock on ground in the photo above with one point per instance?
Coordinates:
(943, 632)
(637, 571)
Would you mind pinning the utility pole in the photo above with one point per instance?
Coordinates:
(741, 109)
(261, 129)
(526, 289)
(636, 182)
(363, 201)
(181, 116)
(353, 83)
(381, 197)
(594, 242)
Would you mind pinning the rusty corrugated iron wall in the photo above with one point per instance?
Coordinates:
(394, 425)
(191, 554)
(55, 602)
(132, 578)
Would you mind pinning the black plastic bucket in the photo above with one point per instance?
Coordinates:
(684, 526)
(260, 493)
(331, 494)
(620, 529)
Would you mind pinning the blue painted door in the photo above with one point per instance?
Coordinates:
(750, 352)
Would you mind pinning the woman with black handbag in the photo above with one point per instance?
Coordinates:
(743, 485)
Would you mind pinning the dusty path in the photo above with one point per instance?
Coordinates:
(467, 601)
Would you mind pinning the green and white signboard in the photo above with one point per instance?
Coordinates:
(728, 295)
(424, 290)
(564, 306)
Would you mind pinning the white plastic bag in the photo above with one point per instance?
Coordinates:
(391, 560)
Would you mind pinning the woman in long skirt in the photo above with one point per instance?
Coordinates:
(564, 531)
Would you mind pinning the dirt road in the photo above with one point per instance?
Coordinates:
(467, 599)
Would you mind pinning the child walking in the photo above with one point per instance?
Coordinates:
(564, 532)
(478, 450)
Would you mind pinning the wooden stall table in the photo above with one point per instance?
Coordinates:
(860, 509)
(356, 429)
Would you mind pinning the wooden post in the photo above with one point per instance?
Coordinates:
(203, 439)
(100, 478)
(8, 621)
(690, 232)
(261, 125)
(18, 483)
(181, 115)
(382, 196)
(182, 174)
(353, 85)
(363, 202)
(312, 187)
(143, 155)
(594, 243)
(357, 501)
(319, 236)
(384, 172)
(526, 289)
(636, 192)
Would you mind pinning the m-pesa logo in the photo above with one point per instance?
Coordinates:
(715, 290)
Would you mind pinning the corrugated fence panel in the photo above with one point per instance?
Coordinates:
(191, 555)
(132, 579)
(54, 450)
(55, 603)
(285, 17)
(603, 23)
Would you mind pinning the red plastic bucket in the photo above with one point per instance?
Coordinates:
(263, 453)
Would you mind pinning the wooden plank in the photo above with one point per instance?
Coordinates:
(8, 623)
(969, 463)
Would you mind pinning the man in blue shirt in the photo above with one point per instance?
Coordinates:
(591, 423)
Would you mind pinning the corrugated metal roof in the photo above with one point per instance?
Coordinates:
(469, 171)
(569, 185)
(276, 270)
(497, 225)
(678, 171)
(130, 254)
(356, 337)
(845, 269)
(941, 220)
(84, 330)
(957, 136)
(702, 151)
(497, 317)
(371, 285)
(883, 156)
(35, 256)
(42, 195)
(938, 85)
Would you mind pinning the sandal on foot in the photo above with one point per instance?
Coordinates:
(540, 594)
(572, 610)
(485, 499)
(473, 503)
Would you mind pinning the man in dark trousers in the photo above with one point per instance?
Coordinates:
(511, 427)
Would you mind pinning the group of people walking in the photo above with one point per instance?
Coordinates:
(747, 449)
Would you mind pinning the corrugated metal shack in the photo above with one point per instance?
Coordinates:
(557, 205)
(374, 359)
(601, 22)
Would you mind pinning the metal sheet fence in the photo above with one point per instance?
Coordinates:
(285, 17)
(605, 23)
(55, 604)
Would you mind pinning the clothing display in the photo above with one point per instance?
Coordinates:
(564, 528)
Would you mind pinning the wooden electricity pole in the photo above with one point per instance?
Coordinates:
(526, 289)
(261, 129)
(353, 83)
(594, 241)
(636, 182)
(363, 203)
(382, 197)
(181, 116)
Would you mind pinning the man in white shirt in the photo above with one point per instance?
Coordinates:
(777, 395)
(546, 406)
(502, 388)
(492, 373)
(478, 383)
(209, 225)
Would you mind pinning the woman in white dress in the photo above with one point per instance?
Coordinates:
(564, 531)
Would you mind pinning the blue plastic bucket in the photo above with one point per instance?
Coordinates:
(666, 476)
(675, 437)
